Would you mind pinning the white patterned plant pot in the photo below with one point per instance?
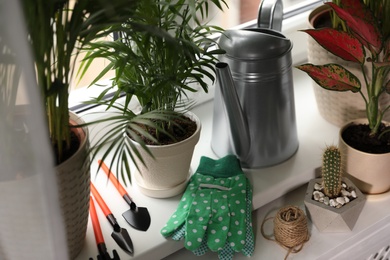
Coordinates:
(166, 175)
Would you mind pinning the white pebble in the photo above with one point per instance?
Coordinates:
(346, 195)
(340, 200)
(317, 195)
(326, 200)
(317, 186)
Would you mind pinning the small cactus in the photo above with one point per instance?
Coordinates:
(331, 171)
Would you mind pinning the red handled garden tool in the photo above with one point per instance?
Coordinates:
(120, 235)
(101, 245)
(137, 217)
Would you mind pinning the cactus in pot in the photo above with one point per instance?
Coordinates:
(331, 171)
(335, 205)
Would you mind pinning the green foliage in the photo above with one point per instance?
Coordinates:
(169, 53)
(331, 171)
(57, 29)
(164, 59)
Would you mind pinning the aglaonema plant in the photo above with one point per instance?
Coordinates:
(365, 42)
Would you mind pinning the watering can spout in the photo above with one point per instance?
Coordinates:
(236, 118)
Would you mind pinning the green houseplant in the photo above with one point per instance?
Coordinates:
(366, 43)
(339, 108)
(158, 67)
(57, 30)
(333, 202)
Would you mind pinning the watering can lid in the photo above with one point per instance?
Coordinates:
(264, 42)
(254, 44)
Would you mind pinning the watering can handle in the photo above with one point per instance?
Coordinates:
(270, 15)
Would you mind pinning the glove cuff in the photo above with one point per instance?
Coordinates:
(225, 167)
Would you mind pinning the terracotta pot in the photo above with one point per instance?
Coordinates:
(73, 177)
(167, 175)
(330, 219)
(370, 172)
(337, 107)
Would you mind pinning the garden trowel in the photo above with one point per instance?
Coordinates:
(137, 217)
(103, 253)
(120, 235)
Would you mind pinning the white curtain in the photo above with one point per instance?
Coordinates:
(31, 225)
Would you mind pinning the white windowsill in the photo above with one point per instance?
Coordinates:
(290, 29)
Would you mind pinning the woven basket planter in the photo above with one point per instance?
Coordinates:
(338, 107)
(73, 177)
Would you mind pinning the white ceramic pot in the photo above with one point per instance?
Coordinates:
(167, 175)
(330, 219)
(73, 177)
(369, 172)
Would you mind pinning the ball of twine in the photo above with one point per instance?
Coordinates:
(290, 229)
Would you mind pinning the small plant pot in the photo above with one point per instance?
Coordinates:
(168, 173)
(329, 219)
(370, 172)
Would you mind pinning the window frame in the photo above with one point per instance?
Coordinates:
(292, 22)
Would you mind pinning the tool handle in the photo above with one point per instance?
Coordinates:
(113, 179)
(95, 222)
(106, 210)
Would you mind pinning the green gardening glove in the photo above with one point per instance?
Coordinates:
(213, 212)
(228, 251)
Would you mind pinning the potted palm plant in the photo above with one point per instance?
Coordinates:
(57, 30)
(339, 108)
(171, 57)
(366, 43)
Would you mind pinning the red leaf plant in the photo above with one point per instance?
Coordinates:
(363, 43)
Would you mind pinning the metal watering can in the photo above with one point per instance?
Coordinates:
(254, 110)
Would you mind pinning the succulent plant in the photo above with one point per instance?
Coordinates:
(331, 171)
